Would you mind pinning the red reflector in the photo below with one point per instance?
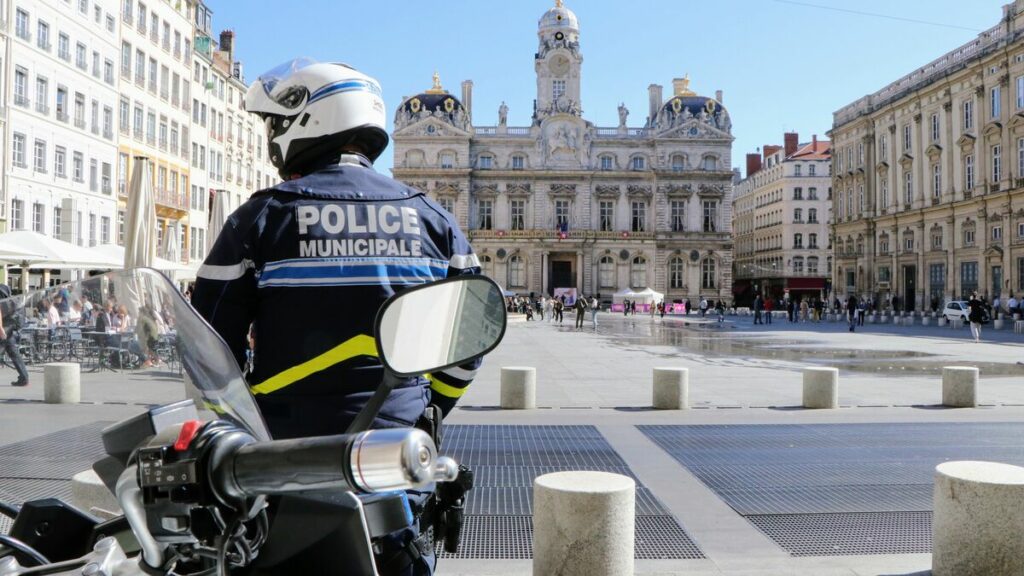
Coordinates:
(188, 433)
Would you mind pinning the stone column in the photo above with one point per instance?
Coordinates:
(950, 246)
(950, 152)
(921, 275)
(579, 272)
(544, 257)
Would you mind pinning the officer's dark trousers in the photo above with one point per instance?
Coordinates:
(11, 347)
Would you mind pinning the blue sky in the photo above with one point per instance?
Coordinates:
(783, 66)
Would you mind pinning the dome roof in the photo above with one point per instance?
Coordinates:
(695, 104)
(559, 17)
(437, 98)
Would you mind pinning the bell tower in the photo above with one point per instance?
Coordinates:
(557, 63)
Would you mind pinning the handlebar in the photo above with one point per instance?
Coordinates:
(372, 461)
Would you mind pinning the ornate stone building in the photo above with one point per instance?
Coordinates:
(928, 187)
(780, 219)
(563, 203)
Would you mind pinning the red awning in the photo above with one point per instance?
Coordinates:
(805, 283)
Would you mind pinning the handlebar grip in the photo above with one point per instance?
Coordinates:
(371, 461)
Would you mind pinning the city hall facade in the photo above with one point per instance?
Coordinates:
(562, 203)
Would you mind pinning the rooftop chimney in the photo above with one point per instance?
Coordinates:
(814, 142)
(792, 142)
(753, 164)
(467, 98)
(654, 96)
(227, 44)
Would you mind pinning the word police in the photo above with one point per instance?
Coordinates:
(344, 223)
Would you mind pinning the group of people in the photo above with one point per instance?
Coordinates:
(554, 308)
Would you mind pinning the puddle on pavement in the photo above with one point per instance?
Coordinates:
(728, 343)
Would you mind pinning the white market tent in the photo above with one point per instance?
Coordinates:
(117, 252)
(624, 294)
(648, 296)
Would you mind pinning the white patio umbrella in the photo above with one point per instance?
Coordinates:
(218, 215)
(170, 250)
(140, 231)
(30, 250)
(117, 252)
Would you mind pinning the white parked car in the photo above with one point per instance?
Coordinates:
(956, 309)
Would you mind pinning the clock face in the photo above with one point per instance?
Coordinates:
(559, 65)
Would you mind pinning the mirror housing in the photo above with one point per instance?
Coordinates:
(434, 326)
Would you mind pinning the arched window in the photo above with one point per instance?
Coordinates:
(710, 163)
(487, 265)
(676, 273)
(516, 272)
(606, 272)
(638, 163)
(518, 162)
(678, 163)
(812, 265)
(638, 273)
(607, 162)
(798, 265)
(707, 274)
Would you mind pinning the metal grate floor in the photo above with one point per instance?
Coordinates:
(849, 534)
(829, 489)
(506, 459)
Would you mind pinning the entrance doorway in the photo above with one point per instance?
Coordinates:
(561, 275)
(909, 287)
(997, 281)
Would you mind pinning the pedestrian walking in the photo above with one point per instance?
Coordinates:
(758, 307)
(559, 309)
(769, 307)
(862, 308)
(580, 306)
(976, 316)
(720, 308)
(594, 305)
(804, 308)
(703, 307)
(819, 306)
(1011, 305)
(851, 311)
(632, 308)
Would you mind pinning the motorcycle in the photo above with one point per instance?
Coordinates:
(202, 487)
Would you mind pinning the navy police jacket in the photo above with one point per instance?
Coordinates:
(307, 264)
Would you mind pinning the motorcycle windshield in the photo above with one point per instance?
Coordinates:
(137, 341)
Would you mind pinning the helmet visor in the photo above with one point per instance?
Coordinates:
(270, 78)
(268, 95)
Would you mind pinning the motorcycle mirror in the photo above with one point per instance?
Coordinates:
(439, 325)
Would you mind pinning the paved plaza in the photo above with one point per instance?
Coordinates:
(746, 482)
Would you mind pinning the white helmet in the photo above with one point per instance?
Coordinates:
(313, 109)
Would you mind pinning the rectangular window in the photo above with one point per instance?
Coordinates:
(883, 147)
(969, 172)
(798, 240)
(80, 56)
(78, 167)
(968, 278)
(557, 89)
(796, 170)
(638, 163)
(607, 215)
(94, 178)
(563, 209)
(108, 71)
(21, 25)
(678, 214)
(517, 213)
(997, 233)
(43, 36)
(39, 156)
(124, 115)
(884, 194)
(485, 162)
(996, 102)
(997, 164)
(935, 127)
(120, 227)
(798, 215)
(798, 193)
(126, 60)
(969, 237)
(21, 87)
(92, 230)
(18, 150)
(517, 162)
(710, 215)
(936, 181)
(908, 188)
(38, 218)
(42, 95)
(485, 214)
(447, 161)
(606, 162)
(1020, 92)
(812, 215)
(907, 141)
(64, 47)
(58, 225)
(17, 214)
(968, 115)
(812, 240)
(60, 160)
(639, 216)
(105, 176)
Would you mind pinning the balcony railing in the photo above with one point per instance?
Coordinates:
(80, 123)
(62, 116)
(42, 108)
(21, 100)
(171, 198)
(108, 134)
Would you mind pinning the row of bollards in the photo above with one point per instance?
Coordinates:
(672, 387)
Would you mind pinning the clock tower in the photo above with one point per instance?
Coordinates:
(557, 63)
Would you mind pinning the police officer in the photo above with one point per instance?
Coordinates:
(308, 262)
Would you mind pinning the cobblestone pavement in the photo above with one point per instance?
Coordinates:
(742, 378)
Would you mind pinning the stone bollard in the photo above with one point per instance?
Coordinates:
(941, 321)
(871, 319)
(89, 494)
(960, 386)
(62, 383)
(998, 324)
(977, 519)
(583, 524)
(518, 388)
(821, 388)
(671, 388)
(925, 321)
(908, 321)
(1018, 326)
(957, 323)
